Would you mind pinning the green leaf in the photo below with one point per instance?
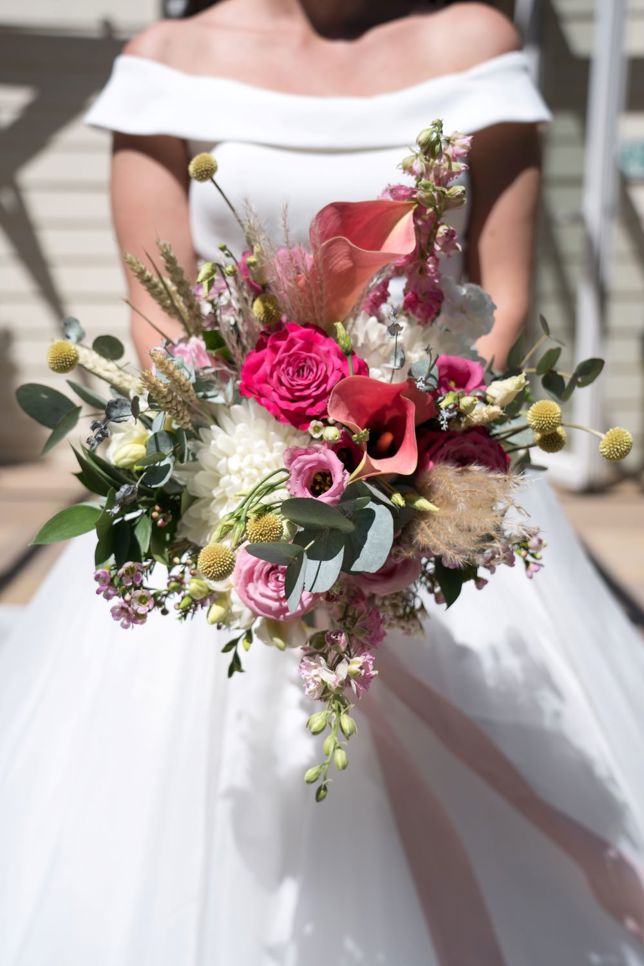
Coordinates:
(548, 360)
(94, 479)
(587, 371)
(158, 474)
(324, 561)
(544, 325)
(160, 442)
(67, 423)
(294, 581)
(309, 512)
(213, 340)
(276, 553)
(143, 533)
(67, 523)
(451, 581)
(109, 347)
(368, 547)
(571, 385)
(87, 395)
(118, 410)
(44, 404)
(554, 383)
(516, 354)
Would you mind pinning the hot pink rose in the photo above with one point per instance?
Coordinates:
(292, 371)
(455, 373)
(315, 472)
(191, 351)
(261, 587)
(394, 575)
(473, 447)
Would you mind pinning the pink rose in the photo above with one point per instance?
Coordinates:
(456, 374)
(260, 585)
(394, 575)
(315, 472)
(192, 351)
(473, 447)
(292, 371)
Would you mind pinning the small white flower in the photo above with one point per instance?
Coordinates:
(504, 391)
(127, 443)
(316, 428)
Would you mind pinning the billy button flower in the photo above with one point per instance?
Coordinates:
(552, 442)
(203, 167)
(616, 444)
(216, 561)
(267, 528)
(266, 310)
(62, 356)
(544, 416)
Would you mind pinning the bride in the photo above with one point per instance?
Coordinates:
(152, 813)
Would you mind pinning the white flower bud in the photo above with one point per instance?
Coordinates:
(504, 391)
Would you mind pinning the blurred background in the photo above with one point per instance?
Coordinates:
(58, 256)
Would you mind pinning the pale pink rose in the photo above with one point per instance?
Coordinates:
(394, 575)
(260, 585)
(316, 472)
(192, 351)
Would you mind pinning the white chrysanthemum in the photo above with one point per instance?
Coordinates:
(467, 311)
(231, 458)
(372, 342)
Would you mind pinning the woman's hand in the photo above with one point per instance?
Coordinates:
(149, 190)
(506, 174)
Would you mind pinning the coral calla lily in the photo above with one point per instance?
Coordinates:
(390, 412)
(351, 241)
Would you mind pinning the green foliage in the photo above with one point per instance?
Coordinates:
(109, 347)
(309, 512)
(67, 523)
(87, 395)
(65, 424)
(44, 404)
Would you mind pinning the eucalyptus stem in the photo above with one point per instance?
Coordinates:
(531, 352)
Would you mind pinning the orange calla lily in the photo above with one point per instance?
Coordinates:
(390, 412)
(351, 241)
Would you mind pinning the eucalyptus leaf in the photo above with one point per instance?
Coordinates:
(554, 383)
(516, 354)
(160, 442)
(544, 325)
(294, 581)
(151, 459)
(109, 347)
(44, 404)
(118, 410)
(87, 395)
(158, 423)
(67, 523)
(276, 553)
(324, 561)
(369, 546)
(309, 512)
(548, 360)
(158, 474)
(66, 423)
(587, 371)
(73, 330)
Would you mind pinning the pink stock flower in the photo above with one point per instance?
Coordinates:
(474, 447)
(292, 371)
(455, 373)
(351, 242)
(317, 676)
(394, 575)
(361, 673)
(317, 472)
(192, 351)
(390, 412)
(260, 585)
(376, 297)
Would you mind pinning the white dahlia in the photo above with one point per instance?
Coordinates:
(231, 457)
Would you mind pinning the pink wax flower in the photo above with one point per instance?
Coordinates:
(260, 585)
(317, 472)
(131, 573)
(192, 351)
(474, 447)
(395, 574)
(292, 371)
(455, 373)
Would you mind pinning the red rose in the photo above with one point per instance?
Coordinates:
(292, 371)
(473, 447)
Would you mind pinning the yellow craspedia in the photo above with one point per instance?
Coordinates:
(266, 310)
(216, 561)
(544, 416)
(265, 529)
(552, 442)
(62, 356)
(203, 167)
(616, 444)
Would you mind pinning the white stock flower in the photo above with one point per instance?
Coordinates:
(127, 443)
(231, 457)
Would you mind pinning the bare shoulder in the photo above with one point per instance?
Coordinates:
(482, 31)
(159, 42)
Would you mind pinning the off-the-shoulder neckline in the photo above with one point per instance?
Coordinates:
(482, 67)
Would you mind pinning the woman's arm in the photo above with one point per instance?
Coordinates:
(149, 190)
(506, 174)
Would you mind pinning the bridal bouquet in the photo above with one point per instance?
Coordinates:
(322, 449)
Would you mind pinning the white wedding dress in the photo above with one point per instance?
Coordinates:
(152, 813)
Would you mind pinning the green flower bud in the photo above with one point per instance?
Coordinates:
(422, 505)
(317, 722)
(398, 500)
(467, 404)
(331, 434)
(343, 338)
(329, 745)
(198, 589)
(218, 609)
(247, 640)
(341, 759)
(312, 775)
(321, 793)
(186, 602)
(347, 725)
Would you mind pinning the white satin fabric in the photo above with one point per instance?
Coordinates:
(152, 813)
